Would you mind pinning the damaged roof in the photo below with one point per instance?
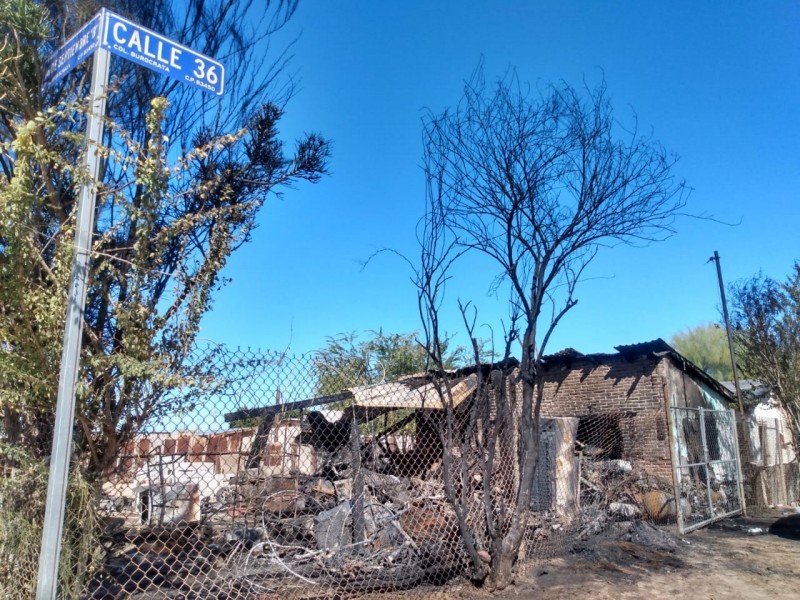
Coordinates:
(424, 390)
(657, 348)
(398, 395)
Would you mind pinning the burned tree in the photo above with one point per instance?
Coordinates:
(537, 183)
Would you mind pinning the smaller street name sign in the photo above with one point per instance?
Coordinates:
(152, 50)
(74, 51)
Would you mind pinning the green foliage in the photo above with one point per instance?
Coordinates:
(182, 182)
(347, 361)
(24, 28)
(22, 490)
(707, 347)
(168, 218)
(245, 423)
(765, 315)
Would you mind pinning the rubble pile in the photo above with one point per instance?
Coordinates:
(614, 500)
(266, 534)
(361, 514)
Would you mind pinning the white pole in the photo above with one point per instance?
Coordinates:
(47, 582)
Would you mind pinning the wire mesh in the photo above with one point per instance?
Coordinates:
(598, 483)
(280, 476)
(708, 469)
(281, 479)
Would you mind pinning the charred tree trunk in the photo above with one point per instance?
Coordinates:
(555, 485)
(506, 549)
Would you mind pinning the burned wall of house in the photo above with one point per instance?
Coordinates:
(620, 406)
(167, 476)
(685, 392)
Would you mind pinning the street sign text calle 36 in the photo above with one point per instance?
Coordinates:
(140, 45)
(154, 51)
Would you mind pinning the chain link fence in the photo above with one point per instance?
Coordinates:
(288, 477)
(282, 480)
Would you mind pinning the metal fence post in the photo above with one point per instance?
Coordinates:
(675, 455)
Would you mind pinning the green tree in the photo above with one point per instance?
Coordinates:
(183, 180)
(765, 315)
(538, 184)
(179, 194)
(707, 347)
(347, 361)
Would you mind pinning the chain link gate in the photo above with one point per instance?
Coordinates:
(707, 468)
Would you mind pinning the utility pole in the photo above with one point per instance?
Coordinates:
(715, 258)
(742, 440)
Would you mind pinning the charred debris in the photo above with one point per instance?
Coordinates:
(346, 491)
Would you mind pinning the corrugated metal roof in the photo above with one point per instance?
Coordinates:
(653, 346)
(659, 347)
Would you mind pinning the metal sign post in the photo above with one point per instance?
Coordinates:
(103, 34)
(70, 356)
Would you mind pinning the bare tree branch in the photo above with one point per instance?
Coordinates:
(538, 183)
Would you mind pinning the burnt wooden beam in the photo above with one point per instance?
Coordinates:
(249, 413)
(260, 440)
(267, 415)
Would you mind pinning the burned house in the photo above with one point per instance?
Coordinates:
(370, 477)
(650, 406)
(644, 406)
(622, 399)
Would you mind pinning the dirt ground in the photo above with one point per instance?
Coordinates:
(725, 560)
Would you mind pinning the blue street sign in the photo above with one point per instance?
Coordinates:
(74, 51)
(154, 51)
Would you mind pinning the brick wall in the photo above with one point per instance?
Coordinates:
(620, 405)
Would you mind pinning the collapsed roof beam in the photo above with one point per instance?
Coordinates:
(251, 413)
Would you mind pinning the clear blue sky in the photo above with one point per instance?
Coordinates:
(717, 82)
